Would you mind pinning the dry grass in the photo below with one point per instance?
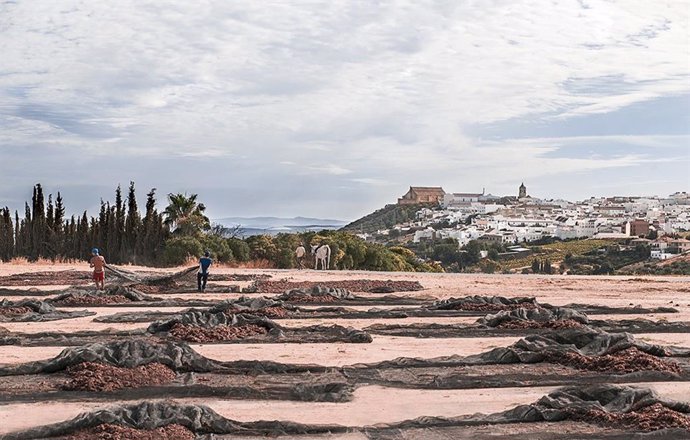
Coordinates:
(556, 252)
(254, 264)
(21, 261)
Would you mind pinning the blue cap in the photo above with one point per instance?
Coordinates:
(94, 251)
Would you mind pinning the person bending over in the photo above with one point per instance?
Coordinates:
(202, 275)
(98, 263)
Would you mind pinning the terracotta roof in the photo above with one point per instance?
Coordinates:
(427, 188)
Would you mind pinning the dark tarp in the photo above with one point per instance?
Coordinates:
(453, 372)
(315, 333)
(590, 309)
(150, 415)
(537, 348)
(560, 405)
(497, 302)
(127, 354)
(228, 379)
(178, 356)
(207, 318)
(477, 304)
(40, 311)
(424, 330)
(317, 291)
(28, 292)
(533, 314)
(128, 292)
(586, 342)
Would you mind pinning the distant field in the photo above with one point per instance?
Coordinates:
(557, 251)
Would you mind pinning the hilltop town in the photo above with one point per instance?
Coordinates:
(430, 214)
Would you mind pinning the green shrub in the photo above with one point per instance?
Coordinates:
(240, 249)
(219, 248)
(178, 250)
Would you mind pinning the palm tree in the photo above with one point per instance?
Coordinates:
(184, 216)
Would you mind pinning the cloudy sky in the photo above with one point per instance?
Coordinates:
(333, 108)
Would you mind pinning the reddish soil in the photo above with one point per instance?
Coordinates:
(238, 277)
(523, 324)
(650, 418)
(195, 333)
(269, 312)
(64, 277)
(274, 312)
(92, 300)
(625, 361)
(91, 376)
(14, 311)
(484, 307)
(108, 431)
(313, 299)
(158, 288)
(351, 285)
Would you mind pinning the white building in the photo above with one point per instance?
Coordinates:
(455, 199)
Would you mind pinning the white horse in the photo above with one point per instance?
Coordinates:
(322, 254)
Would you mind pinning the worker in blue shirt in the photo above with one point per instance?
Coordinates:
(202, 275)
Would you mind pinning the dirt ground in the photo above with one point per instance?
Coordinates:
(371, 404)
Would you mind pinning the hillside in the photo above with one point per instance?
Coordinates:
(679, 265)
(384, 218)
(557, 251)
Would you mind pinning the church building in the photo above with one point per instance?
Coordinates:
(422, 194)
(522, 192)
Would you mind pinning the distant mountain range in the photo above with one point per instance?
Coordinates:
(275, 225)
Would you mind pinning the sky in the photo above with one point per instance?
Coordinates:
(332, 109)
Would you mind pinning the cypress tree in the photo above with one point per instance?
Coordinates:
(49, 233)
(147, 242)
(92, 235)
(3, 236)
(71, 239)
(27, 231)
(17, 235)
(117, 253)
(10, 233)
(111, 233)
(83, 237)
(59, 226)
(132, 225)
(535, 266)
(49, 213)
(101, 230)
(38, 225)
(6, 235)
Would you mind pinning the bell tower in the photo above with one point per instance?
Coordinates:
(523, 191)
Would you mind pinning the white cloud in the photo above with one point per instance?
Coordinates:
(332, 169)
(371, 181)
(346, 89)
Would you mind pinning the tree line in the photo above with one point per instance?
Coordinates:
(45, 232)
(172, 236)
